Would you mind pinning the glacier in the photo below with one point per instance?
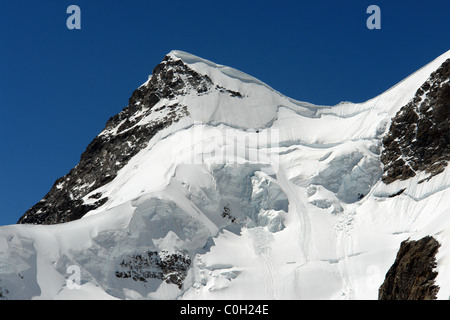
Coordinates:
(247, 194)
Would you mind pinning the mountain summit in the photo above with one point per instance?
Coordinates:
(210, 184)
(182, 87)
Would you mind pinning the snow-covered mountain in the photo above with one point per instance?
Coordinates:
(212, 185)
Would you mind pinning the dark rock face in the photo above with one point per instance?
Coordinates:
(4, 292)
(171, 268)
(419, 134)
(411, 277)
(123, 137)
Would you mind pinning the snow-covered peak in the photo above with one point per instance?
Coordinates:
(204, 66)
(210, 184)
(239, 81)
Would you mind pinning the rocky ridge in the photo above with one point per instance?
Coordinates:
(419, 134)
(124, 135)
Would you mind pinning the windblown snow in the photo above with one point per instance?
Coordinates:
(249, 196)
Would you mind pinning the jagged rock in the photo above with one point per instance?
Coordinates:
(419, 134)
(412, 277)
(4, 292)
(226, 213)
(171, 268)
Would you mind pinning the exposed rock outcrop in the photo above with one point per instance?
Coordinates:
(171, 268)
(419, 134)
(412, 276)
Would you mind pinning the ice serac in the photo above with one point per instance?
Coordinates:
(210, 184)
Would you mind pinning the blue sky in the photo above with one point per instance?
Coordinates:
(58, 87)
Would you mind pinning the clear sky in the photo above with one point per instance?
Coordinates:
(58, 87)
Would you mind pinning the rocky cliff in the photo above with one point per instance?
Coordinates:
(412, 276)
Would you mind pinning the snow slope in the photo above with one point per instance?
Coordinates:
(264, 196)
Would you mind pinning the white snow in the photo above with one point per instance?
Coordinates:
(309, 216)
